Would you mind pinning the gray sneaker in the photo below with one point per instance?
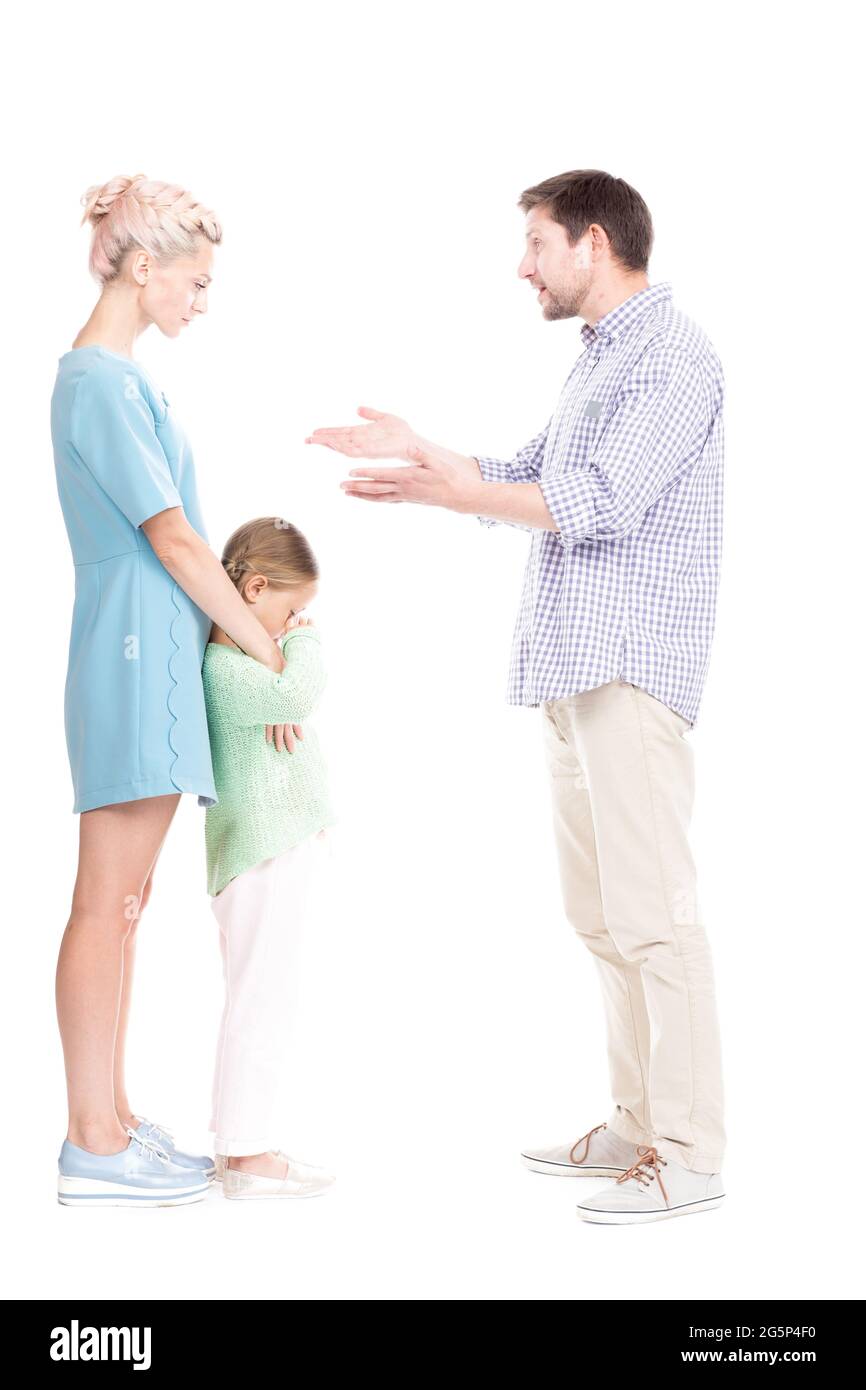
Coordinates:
(598, 1154)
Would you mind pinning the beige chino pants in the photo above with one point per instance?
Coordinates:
(622, 786)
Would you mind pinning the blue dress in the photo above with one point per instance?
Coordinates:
(134, 710)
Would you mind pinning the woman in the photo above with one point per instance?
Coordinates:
(147, 589)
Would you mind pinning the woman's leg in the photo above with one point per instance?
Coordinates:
(122, 1107)
(124, 1111)
(117, 848)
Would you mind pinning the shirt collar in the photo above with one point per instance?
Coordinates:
(624, 315)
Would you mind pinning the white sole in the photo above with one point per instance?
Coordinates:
(263, 1196)
(629, 1218)
(95, 1192)
(570, 1170)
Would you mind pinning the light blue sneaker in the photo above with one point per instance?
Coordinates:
(164, 1137)
(141, 1175)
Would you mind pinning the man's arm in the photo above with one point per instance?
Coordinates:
(497, 486)
(509, 492)
(657, 431)
(516, 504)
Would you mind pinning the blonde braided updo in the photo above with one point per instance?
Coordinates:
(161, 218)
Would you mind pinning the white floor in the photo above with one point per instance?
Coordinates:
(438, 1226)
(450, 1017)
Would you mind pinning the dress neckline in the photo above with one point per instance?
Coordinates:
(98, 347)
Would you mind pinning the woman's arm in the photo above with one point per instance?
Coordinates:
(190, 561)
(255, 696)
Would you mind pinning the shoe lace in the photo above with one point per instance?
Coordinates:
(149, 1147)
(157, 1132)
(646, 1168)
(583, 1137)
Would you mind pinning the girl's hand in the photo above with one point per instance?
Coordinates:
(281, 735)
(294, 621)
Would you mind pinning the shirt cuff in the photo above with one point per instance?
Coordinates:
(492, 471)
(569, 500)
(498, 471)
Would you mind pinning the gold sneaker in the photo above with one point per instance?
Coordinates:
(301, 1180)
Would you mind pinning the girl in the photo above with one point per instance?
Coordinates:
(267, 842)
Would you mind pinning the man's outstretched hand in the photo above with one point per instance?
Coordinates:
(433, 477)
(383, 437)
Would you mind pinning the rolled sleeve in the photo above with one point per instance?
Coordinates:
(525, 467)
(492, 471)
(569, 500)
(655, 434)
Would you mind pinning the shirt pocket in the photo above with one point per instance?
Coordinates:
(573, 435)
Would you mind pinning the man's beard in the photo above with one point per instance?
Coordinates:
(565, 306)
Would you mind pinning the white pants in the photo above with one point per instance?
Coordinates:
(262, 914)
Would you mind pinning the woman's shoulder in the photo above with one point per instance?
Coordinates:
(105, 379)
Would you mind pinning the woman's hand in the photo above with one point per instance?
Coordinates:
(281, 735)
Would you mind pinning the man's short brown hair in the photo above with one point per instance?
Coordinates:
(584, 196)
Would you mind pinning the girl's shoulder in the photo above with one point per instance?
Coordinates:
(215, 652)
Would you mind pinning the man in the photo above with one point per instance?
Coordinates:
(622, 492)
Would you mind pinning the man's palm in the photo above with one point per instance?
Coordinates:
(383, 437)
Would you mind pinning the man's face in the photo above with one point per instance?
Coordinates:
(561, 274)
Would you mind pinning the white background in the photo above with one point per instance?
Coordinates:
(365, 161)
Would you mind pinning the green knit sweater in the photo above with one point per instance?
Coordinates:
(268, 800)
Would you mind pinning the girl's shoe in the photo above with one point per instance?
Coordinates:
(220, 1167)
(301, 1180)
(141, 1175)
(165, 1139)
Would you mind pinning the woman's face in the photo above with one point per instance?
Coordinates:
(175, 293)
